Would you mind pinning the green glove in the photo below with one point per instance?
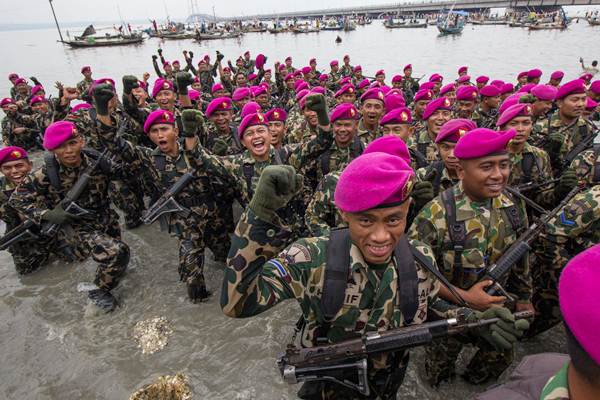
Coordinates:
(191, 54)
(554, 143)
(568, 180)
(422, 193)
(220, 147)
(103, 94)
(219, 56)
(502, 334)
(276, 186)
(182, 81)
(190, 120)
(130, 82)
(318, 104)
(159, 51)
(58, 215)
(154, 57)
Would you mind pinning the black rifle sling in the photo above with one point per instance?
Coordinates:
(527, 167)
(52, 171)
(457, 231)
(596, 173)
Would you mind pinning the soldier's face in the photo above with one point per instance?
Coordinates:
(166, 99)
(451, 95)
(140, 94)
(69, 153)
(277, 130)
(242, 102)
(420, 106)
(15, 171)
(164, 136)
(465, 108)
(348, 98)
(376, 232)
(572, 106)
(257, 140)
(372, 110)
(484, 178)
(522, 125)
(267, 76)
(397, 85)
(263, 100)
(446, 150)
(288, 63)
(335, 68)
(407, 72)
(168, 69)
(310, 116)
(492, 102)
(222, 119)
(380, 78)
(289, 83)
(10, 108)
(41, 107)
(344, 131)
(241, 80)
(176, 67)
(437, 119)
(403, 131)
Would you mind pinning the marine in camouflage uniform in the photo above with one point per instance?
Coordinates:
(587, 167)
(575, 228)
(29, 139)
(489, 233)
(321, 213)
(540, 172)
(422, 142)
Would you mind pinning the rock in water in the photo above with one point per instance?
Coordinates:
(151, 335)
(165, 388)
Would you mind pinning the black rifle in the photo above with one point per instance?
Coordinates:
(519, 248)
(166, 203)
(25, 231)
(584, 144)
(333, 362)
(69, 203)
(525, 187)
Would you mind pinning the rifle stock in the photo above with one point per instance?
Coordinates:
(167, 204)
(20, 233)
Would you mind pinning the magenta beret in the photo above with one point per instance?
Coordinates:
(373, 94)
(252, 76)
(193, 94)
(251, 120)
(497, 82)
(158, 117)
(37, 99)
(318, 89)
(482, 79)
(345, 80)
(436, 78)
(20, 81)
(489, 91)
(260, 61)
(510, 101)
(258, 90)
(300, 94)
(447, 88)
(81, 106)
(522, 74)
(507, 88)
(441, 103)
(467, 93)
(247, 53)
(85, 69)
(424, 94)
(166, 64)
(385, 89)
(250, 107)
(11, 153)
(590, 104)
(462, 69)
(364, 83)
(397, 79)
(393, 100)
(6, 101)
(595, 87)
(407, 66)
(347, 88)
(346, 57)
(216, 87)
(576, 86)
(323, 77)
(312, 60)
(464, 78)
(37, 88)
(175, 62)
(300, 85)
(288, 77)
(12, 76)
(427, 85)
(380, 72)
(333, 62)
(482, 142)
(241, 93)
(306, 70)
(391, 145)
(218, 104)
(276, 114)
(527, 88)
(454, 129)
(396, 116)
(586, 76)
(58, 133)
(557, 75)
(517, 110)
(343, 111)
(544, 92)
(373, 180)
(375, 84)
(579, 297)
(162, 84)
(357, 68)
(534, 73)
(298, 73)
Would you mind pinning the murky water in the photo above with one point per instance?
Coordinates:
(56, 346)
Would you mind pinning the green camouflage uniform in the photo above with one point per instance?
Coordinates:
(445, 181)
(366, 135)
(28, 140)
(338, 159)
(261, 272)
(575, 228)
(557, 387)
(212, 133)
(585, 167)
(486, 119)
(333, 79)
(489, 233)
(346, 70)
(321, 213)
(100, 236)
(300, 133)
(422, 142)
(541, 171)
(83, 87)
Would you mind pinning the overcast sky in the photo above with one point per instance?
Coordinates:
(38, 11)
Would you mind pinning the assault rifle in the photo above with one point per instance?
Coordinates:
(69, 202)
(167, 204)
(334, 362)
(583, 144)
(519, 248)
(23, 232)
(525, 187)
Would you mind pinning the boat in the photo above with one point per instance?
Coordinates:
(349, 25)
(453, 24)
(259, 29)
(178, 35)
(390, 23)
(411, 25)
(539, 27)
(593, 22)
(332, 25)
(99, 41)
(214, 36)
(304, 29)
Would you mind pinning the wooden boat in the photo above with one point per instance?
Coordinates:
(539, 27)
(178, 35)
(92, 41)
(304, 29)
(255, 30)
(414, 25)
(332, 25)
(214, 36)
(278, 30)
(593, 22)
(448, 27)
(391, 24)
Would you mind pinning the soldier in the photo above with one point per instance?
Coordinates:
(277, 118)
(436, 114)
(449, 91)
(397, 82)
(262, 272)
(555, 79)
(421, 99)
(521, 80)
(488, 107)
(220, 114)
(466, 103)
(334, 75)
(372, 107)
(18, 129)
(313, 67)
(544, 101)
(481, 81)
(380, 77)
(468, 227)
(464, 80)
(561, 133)
(462, 71)
(347, 94)
(40, 197)
(534, 76)
(306, 127)
(437, 80)
(84, 85)
(572, 230)
(346, 69)
(411, 85)
(357, 76)
(12, 79)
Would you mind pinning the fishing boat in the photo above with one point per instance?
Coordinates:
(332, 25)
(540, 27)
(304, 29)
(99, 41)
(593, 21)
(454, 22)
(214, 36)
(178, 35)
(414, 24)
(278, 30)
(391, 23)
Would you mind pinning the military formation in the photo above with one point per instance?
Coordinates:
(376, 207)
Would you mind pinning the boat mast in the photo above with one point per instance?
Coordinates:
(55, 20)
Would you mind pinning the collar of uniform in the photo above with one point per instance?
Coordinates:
(423, 136)
(467, 209)
(248, 159)
(359, 265)
(557, 387)
(446, 176)
(362, 130)
(180, 151)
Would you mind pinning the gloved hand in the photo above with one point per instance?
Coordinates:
(318, 104)
(34, 80)
(422, 193)
(276, 186)
(58, 215)
(103, 94)
(220, 56)
(191, 54)
(196, 288)
(182, 81)
(159, 51)
(554, 143)
(502, 334)
(190, 120)
(220, 147)
(154, 57)
(568, 180)
(130, 82)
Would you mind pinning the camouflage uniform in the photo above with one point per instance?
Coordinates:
(575, 228)
(302, 132)
(83, 88)
(261, 273)
(232, 140)
(442, 180)
(366, 135)
(410, 86)
(421, 141)
(28, 140)
(345, 70)
(488, 234)
(333, 79)
(100, 236)
(321, 213)
(334, 159)
(586, 167)
(540, 172)
(486, 119)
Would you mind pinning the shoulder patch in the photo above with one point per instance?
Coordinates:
(297, 253)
